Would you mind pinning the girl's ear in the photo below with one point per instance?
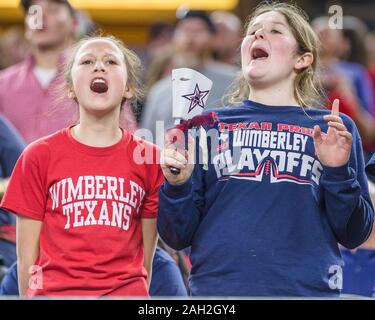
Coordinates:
(128, 93)
(304, 61)
(71, 94)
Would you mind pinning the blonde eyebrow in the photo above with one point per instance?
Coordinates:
(86, 55)
(109, 55)
(281, 23)
(256, 24)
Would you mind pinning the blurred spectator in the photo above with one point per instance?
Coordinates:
(13, 47)
(166, 276)
(354, 32)
(28, 89)
(11, 146)
(31, 94)
(160, 36)
(160, 67)
(359, 266)
(355, 51)
(346, 81)
(167, 59)
(359, 275)
(228, 37)
(192, 48)
(331, 51)
(85, 25)
(181, 258)
(370, 48)
(9, 283)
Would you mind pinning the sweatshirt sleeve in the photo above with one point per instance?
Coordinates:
(347, 201)
(180, 210)
(11, 146)
(27, 188)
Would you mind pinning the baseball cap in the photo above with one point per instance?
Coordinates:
(183, 14)
(27, 3)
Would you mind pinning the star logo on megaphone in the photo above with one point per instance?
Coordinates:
(196, 98)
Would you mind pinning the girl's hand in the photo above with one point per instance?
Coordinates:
(171, 157)
(333, 148)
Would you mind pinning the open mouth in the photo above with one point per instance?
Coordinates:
(99, 85)
(258, 54)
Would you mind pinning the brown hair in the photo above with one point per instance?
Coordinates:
(307, 87)
(132, 62)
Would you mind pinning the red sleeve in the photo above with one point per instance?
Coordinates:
(347, 105)
(26, 191)
(155, 180)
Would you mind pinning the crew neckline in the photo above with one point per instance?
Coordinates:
(269, 108)
(96, 151)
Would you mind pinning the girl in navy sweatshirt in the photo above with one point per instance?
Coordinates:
(284, 183)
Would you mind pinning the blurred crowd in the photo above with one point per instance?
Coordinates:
(32, 106)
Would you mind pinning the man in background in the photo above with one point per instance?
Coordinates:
(29, 90)
(192, 43)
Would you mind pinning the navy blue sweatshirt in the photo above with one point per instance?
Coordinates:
(11, 146)
(266, 218)
(359, 275)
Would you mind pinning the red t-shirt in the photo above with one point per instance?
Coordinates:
(91, 201)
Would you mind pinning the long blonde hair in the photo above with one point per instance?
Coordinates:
(307, 87)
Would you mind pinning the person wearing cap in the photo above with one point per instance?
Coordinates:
(26, 4)
(228, 37)
(192, 44)
(28, 89)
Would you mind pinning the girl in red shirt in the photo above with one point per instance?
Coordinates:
(86, 196)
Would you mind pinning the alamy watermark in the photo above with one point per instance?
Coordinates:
(335, 279)
(144, 155)
(36, 277)
(35, 17)
(335, 21)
